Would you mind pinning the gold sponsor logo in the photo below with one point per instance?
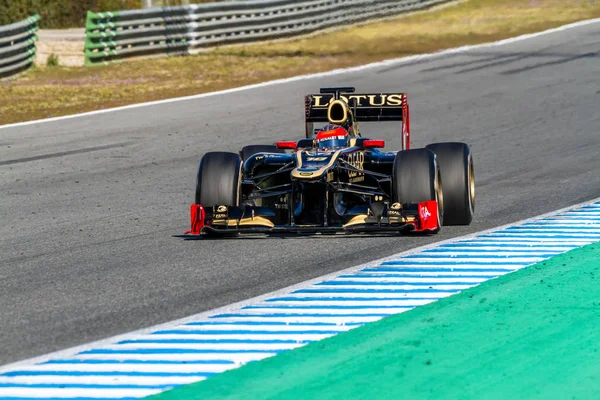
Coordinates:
(357, 160)
(222, 209)
(394, 213)
(396, 206)
(220, 216)
(306, 173)
(362, 100)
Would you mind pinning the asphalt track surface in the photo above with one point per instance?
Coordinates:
(90, 206)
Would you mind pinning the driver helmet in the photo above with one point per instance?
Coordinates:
(332, 136)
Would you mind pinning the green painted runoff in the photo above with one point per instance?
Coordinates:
(533, 334)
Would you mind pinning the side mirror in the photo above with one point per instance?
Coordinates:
(373, 144)
(287, 145)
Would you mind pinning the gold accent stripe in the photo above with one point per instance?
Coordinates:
(249, 221)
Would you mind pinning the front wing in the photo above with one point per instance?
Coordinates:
(420, 218)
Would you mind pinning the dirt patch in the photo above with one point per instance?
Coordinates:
(69, 53)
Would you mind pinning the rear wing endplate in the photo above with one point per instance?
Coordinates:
(365, 107)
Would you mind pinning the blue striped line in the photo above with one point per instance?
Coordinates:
(385, 283)
(401, 269)
(557, 226)
(212, 341)
(269, 323)
(286, 315)
(552, 228)
(241, 332)
(493, 257)
(529, 240)
(519, 246)
(421, 290)
(551, 231)
(309, 299)
(486, 252)
(577, 212)
(378, 291)
(368, 276)
(540, 237)
(82, 386)
(12, 374)
(458, 261)
(575, 217)
(584, 223)
(540, 231)
(121, 362)
(176, 351)
(589, 223)
(321, 307)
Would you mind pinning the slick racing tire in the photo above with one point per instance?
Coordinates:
(248, 151)
(458, 176)
(219, 179)
(416, 178)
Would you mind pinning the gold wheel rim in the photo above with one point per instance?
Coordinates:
(439, 194)
(471, 182)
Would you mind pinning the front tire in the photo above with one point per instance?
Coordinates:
(458, 175)
(219, 179)
(416, 178)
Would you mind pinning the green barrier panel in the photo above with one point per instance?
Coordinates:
(215, 24)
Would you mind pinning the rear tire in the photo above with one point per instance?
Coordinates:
(458, 175)
(219, 179)
(416, 178)
(248, 151)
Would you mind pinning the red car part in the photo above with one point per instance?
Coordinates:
(197, 215)
(428, 217)
(405, 123)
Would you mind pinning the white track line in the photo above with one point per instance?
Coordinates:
(340, 71)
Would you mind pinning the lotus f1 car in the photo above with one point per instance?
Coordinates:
(335, 179)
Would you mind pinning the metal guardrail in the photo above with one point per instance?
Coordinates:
(17, 46)
(112, 36)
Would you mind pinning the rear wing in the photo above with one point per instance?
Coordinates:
(365, 107)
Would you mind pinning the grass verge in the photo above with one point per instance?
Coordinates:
(50, 92)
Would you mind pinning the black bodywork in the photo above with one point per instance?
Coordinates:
(318, 187)
(312, 189)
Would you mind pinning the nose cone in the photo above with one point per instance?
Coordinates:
(312, 165)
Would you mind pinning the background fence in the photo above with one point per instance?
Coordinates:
(17, 46)
(117, 35)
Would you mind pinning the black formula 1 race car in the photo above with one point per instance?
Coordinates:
(335, 180)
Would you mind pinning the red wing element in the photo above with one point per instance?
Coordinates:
(287, 145)
(428, 216)
(405, 123)
(374, 144)
(197, 215)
